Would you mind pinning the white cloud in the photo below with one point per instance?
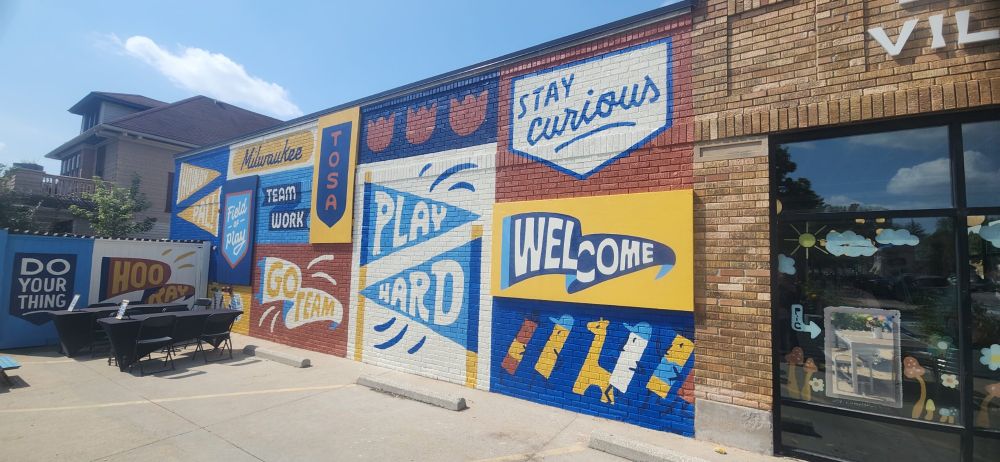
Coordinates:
(934, 177)
(928, 177)
(214, 75)
(980, 170)
(840, 200)
(921, 139)
(2, 145)
(849, 243)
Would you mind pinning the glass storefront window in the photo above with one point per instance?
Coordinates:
(984, 288)
(897, 170)
(981, 142)
(872, 309)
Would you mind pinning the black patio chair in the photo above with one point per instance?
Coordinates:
(174, 309)
(202, 304)
(98, 337)
(154, 335)
(216, 332)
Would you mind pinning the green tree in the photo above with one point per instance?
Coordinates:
(15, 213)
(111, 209)
(794, 193)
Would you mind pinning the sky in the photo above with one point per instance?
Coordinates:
(283, 58)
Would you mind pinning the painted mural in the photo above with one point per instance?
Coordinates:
(236, 217)
(624, 364)
(273, 154)
(300, 296)
(420, 255)
(459, 115)
(147, 271)
(233, 297)
(578, 117)
(384, 233)
(333, 177)
(198, 184)
(613, 250)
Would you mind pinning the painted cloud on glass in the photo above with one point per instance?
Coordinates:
(849, 244)
(897, 237)
(786, 264)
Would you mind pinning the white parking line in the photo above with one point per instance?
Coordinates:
(177, 398)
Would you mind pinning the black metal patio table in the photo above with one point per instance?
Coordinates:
(75, 328)
(123, 333)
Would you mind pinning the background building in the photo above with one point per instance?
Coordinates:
(124, 135)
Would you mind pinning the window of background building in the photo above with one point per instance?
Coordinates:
(99, 162)
(170, 192)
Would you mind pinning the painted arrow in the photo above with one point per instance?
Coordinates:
(799, 325)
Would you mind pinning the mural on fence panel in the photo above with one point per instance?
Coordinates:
(147, 271)
(626, 364)
(301, 294)
(460, 115)
(420, 256)
(46, 272)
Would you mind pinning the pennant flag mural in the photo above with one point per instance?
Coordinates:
(435, 293)
(236, 244)
(193, 178)
(333, 178)
(395, 220)
(204, 213)
(624, 250)
(564, 116)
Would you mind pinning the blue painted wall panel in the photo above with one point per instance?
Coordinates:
(519, 368)
(17, 281)
(454, 116)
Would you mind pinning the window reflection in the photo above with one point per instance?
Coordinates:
(984, 286)
(872, 316)
(981, 142)
(905, 169)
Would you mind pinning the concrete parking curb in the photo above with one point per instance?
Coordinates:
(636, 451)
(276, 356)
(435, 398)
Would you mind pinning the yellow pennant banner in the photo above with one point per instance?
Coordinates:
(624, 250)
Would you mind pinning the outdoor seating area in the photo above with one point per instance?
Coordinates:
(142, 331)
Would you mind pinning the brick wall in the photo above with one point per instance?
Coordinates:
(300, 295)
(766, 67)
(732, 281)
(762, 67)
(152, 164)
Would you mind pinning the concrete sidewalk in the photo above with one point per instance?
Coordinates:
(250, 408)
